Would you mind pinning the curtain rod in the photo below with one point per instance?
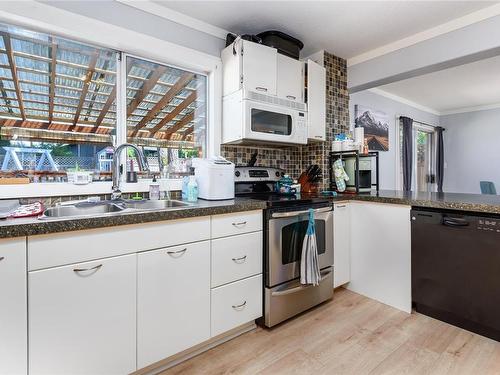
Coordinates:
(424, 123)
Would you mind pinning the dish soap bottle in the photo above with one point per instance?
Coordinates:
(154, 190)
(192, 188)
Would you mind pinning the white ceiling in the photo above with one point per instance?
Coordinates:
(457, 89)
(345, 28)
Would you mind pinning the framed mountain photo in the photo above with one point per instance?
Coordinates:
(376, 124)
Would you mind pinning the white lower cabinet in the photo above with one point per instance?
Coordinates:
(13, 307)
(82, 318)
(341, 244)
(236, 304)
(173, 304)
(381, 253)
(118, 312)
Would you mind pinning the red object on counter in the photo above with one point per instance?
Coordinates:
(28, 210)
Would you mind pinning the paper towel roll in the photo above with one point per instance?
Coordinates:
(359, 135)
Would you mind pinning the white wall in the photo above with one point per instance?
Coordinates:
(393, 109)
(471, 150)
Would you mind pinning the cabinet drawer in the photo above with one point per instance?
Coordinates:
(236, 223)
(72, 247)
(236, 304)
(236, 257)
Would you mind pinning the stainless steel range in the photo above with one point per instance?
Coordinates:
(285, 226)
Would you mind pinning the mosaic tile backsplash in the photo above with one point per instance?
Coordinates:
(295, 159)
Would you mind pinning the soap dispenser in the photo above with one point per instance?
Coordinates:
(154, 190)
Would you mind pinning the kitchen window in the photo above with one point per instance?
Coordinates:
(166, 114)
(61, 101)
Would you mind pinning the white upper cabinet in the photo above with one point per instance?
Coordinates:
(173, 304)
(13, 307)
(82, 318)
(316, 101)
(250, 66)
(290, 79)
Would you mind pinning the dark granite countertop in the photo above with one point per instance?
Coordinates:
(32, 226)
(449, 201)
(489, 204)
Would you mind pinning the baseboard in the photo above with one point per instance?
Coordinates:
(171, 361)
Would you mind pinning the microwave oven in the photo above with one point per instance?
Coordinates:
(249, 117)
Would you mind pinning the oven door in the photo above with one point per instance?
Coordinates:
(271, 123)
(286, 232)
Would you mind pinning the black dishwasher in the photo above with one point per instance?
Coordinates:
(455, 261)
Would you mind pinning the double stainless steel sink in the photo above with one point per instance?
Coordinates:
(108, 208)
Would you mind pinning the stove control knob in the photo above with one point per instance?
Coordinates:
(277, 174)
(237, 173)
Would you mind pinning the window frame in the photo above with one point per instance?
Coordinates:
(44, 18)
(417, 125)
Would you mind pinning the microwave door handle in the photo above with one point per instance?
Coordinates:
(298, 288)
(297, 213)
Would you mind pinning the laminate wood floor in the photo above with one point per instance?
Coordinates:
(351, 335)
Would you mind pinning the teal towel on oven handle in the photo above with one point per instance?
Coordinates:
(309, 264)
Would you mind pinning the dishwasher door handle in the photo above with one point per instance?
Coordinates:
(455, 222)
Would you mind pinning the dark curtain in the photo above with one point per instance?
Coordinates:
(407, 124)
(439, 159)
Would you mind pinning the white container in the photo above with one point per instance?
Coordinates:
(348, 145)
(215, 178)
(337, 146)
(79, 178)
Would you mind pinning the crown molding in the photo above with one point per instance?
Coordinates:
(410, 103)
(402, 100)
(177, 17)
(471, 109)
(458, 23)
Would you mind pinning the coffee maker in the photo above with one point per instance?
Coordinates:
(365, 174)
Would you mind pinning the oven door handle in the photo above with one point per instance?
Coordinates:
(297, 213)
(299, 288)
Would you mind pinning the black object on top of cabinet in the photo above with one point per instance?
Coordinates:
(284, 43)
(455, 263)
(230, 38)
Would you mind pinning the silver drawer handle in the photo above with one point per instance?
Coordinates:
(259, 88)
(291, 97)
(240, 260)
(178, 252)
(340, 206)
(2, 258)
(240, 307)
(77, 270)
(240, 224)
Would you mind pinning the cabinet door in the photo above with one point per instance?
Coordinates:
(290, 83)
(173, 311)
(342, 243)
(316, 101)
(13, 307)
(82, 318)
(259, 68)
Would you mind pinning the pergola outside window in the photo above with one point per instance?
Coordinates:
(58, 108)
